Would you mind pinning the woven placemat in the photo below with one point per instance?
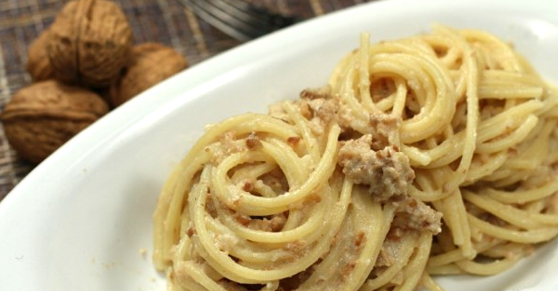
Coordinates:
(164, 21)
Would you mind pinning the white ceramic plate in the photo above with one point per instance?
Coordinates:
(79, 220)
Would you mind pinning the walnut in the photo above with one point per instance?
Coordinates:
(43, 116)
(90, 42)
(151, 63)
(38, 64)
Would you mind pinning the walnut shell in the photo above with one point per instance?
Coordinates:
(90, 43)
(43, 116)
(38, 64)
(151, 63)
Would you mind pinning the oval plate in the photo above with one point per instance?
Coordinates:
(82, 219)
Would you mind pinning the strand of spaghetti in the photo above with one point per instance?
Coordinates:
(511, 139)
(486, 269)
(487, 92)
(285, 157)
(348, 95)
(344, 253)
(455, 255)
(429, 283)
(232, 270)
(550, 108)
(301, 231)
(250, 253)
(437, 109)
(411, 46)
(508, 249)
(408, 67)
(429, 192)
(364, 74)
(513, 117)
(507, 57)
(386, 103)
(535, 150)
(414, 270)
(400, 97)
(407, 246)
(472, 99)
(308, 139)
(358, 255)
(191, 283)
(443, 49)
(447, 152)
(508, 78)
(483, 170)
(245, 123)
(181, 250)
(450, 149)
(253, 252)
(193, 270)
(174, 200)
(171, 200)
(254, 205)
(256, 171)
(416, 156)
(456, 215)
(451, 269)
(327, 265)
(511, 214)
(523, 195)
(159, 237)
(443, 154)
(374, 234)
(528, 236)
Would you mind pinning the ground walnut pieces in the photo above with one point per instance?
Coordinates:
(88, 49)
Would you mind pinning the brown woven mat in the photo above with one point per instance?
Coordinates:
(164, 21)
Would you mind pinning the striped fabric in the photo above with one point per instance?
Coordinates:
(164, 21)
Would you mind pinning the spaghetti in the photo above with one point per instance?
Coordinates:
(431, 155)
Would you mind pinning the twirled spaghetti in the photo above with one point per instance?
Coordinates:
(430, 155)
